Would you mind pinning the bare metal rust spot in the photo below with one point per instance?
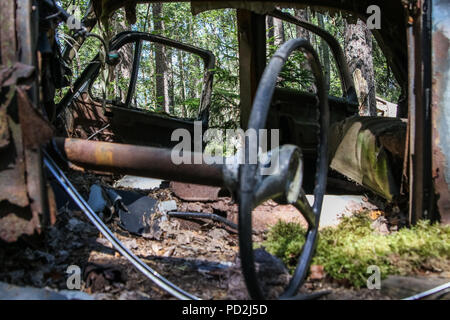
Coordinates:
(20, 164)
(194, 192)
(104, 154)
(14, 74)
(52, 208)
(12, 227)
(12, 168)
(35, 129)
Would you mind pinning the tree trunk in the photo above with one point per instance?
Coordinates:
(278, 31)
(324, 53)
(270, 32)
(183, 86)
(358, 51)
(171, 86)
(194, 81)
(162, 88)
(146, 18)
(299, 31)
(126, 53)
(194, 62)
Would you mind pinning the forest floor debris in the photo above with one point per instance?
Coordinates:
(199, 255)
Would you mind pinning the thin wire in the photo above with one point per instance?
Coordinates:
(98, 131)
(429, 292)
(159, 280)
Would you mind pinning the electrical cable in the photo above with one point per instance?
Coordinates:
(154, 276)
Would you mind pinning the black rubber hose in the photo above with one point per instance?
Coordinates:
(201, 215)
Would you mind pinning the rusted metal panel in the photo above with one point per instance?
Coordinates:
(87, 119)
(83, 118)
(441, 106)
(23, 130)
(12, 168)
(14, 211)
(11, 75)
(194, 192)
(35, 131)
(21, 170)
(7, 32)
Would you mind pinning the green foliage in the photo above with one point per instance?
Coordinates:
(285, 240)
(295, 73)
(214, 30)
(347, 250)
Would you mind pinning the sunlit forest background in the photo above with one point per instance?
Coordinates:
(170, 80)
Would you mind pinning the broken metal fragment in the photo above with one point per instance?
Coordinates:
(103, 202)
(137, 220)
(194, 192)
(133, 209)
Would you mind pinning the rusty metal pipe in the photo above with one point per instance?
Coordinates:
(137, 160)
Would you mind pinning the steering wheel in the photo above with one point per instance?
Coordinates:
(285, 185)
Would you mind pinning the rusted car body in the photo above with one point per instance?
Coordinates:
(440, 104)
(414, 37)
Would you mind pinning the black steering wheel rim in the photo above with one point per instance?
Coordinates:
(248, 172)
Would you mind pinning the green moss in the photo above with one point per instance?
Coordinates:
(347, 250)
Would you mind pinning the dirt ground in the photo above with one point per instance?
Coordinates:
(200, 256)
